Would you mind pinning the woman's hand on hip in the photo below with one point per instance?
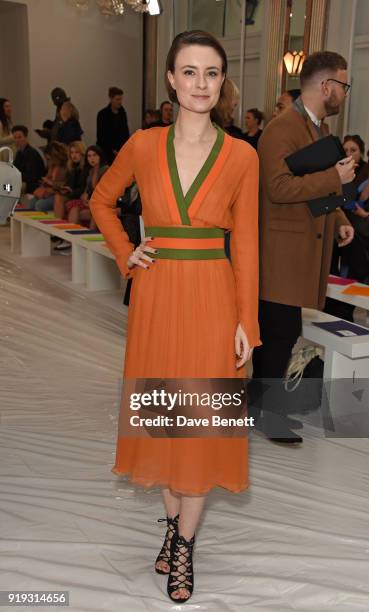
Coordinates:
(242, 347)
(139, 258)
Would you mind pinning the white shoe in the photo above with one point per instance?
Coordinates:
(63, 246)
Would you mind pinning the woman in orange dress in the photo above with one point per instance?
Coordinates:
(192, 313)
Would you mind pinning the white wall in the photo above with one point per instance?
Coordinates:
(84, 54)
(358, 119)
(348, 34)
(14, 73)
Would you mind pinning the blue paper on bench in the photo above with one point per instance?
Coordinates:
(86, 231)
(343, 329)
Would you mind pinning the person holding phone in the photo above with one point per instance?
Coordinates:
(295, 247)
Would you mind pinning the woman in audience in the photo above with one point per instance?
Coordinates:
(79, 209)
(150, 117)
(70, 129)
(223, 114)
(6, 136)
(355, 256)
(75, 180)
(253, 120)
(56, 155)
(75, 184)
(355, 146)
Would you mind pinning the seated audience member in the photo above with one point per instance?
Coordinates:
(223, 113)
(79, 209)
(6, 136)
(56, 154)
(75, 184)
(355, 257)
(253, 120)
(28, 160)
(355, 146)
(75, 180)
(352, 261)
(166, 115)
(285, 100)
(70, 128)
(151, 116)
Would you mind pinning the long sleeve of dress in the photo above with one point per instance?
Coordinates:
(245, 249)
(103, 205)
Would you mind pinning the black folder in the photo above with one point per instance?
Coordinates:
(319, 156)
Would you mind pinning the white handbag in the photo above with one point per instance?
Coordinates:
(10, 186)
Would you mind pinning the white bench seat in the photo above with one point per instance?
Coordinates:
(93, 264)
(344, 357)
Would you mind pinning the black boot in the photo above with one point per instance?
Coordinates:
(164, 554)
(181, 568)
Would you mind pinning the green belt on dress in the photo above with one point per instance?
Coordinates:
(186, 242)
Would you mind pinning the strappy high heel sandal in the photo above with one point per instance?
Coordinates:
(181, 568)
(164, 554)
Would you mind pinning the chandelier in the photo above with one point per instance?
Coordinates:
(117, 7)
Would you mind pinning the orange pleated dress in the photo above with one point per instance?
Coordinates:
(183, 313)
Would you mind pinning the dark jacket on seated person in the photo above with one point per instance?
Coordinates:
(69, 131)
(76, 180)
(31, 166)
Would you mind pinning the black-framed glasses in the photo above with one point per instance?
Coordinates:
(346, 86)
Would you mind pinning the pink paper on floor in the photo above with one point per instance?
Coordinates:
(338, 280)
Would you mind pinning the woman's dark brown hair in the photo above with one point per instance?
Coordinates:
(4, 120)
(357, 140)
(192, 37)
(258, 115)
(98, 152)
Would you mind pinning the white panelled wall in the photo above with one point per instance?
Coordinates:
(83, 53)
(359, 104)
(347, 33)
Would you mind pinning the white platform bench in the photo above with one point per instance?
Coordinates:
(336, 292)
(93, 264)
(344, 357)
(345, 399)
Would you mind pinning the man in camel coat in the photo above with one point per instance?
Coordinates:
(295, 247)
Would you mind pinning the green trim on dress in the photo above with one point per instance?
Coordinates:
(188, 254)
(183, 202)
(184, 232)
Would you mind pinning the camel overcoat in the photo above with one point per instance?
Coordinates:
(295, 247)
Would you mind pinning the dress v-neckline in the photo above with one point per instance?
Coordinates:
(184, 201)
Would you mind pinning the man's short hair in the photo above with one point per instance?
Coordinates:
(322, 61)
(115, 91)
(20, 128)
(164, 103)
(294, 93)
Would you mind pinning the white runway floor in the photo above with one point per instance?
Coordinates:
(298, 539)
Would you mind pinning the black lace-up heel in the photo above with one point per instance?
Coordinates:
(164, 554)
(181, 568)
